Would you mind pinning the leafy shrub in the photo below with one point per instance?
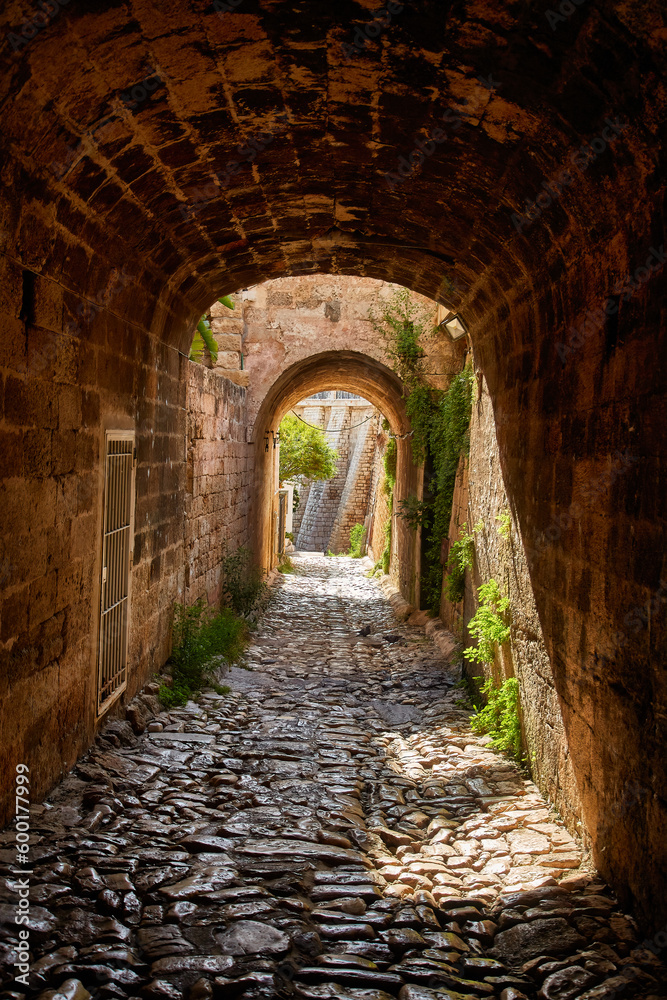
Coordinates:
(201, 637)
(460, 559)
(487, 624)
(356, 541)
(500, 716)
(416, 512)
(504, 524)
(286, 565)
(245, 589)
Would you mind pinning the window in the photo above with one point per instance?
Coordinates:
(116, 564)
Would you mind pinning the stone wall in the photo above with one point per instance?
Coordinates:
(480, 496)
(379, 509)
(59, 397)
(355, 499)
(289, 319)
(219, 477)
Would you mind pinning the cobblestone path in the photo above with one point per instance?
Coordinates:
(329, 829)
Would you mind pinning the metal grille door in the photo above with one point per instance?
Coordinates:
(116, 560)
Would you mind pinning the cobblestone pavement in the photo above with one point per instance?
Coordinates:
(329, 829)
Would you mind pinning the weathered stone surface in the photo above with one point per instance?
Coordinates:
(248, 937)
(254, 907)
(523, 941)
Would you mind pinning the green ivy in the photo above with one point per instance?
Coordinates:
(448, 440)
(500, 716)
(390, 462)
(487, 624)
(460, 559)
(439, 422)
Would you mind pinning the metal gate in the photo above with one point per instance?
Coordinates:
(116, 564)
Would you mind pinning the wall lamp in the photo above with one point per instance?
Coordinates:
(454, 327)
(275, 436)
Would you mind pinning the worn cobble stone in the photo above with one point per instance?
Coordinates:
(331, 828)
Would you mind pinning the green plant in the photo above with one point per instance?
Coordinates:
(460, 559)
(500, 716)
(200, 637)
(416, 512)
(386, 555)
(487, 624)
(203, 337)
(305, 452)
(357, 533)
(330, 554)
(286, 565)
(290, 535)
(504, 523)
(439, 423)
(448, 440)
(221, 688)
(245, 589)
(390, 461)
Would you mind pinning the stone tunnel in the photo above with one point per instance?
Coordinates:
(505, 161)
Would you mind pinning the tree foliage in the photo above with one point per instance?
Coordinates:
(305, 452)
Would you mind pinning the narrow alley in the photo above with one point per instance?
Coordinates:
(329, 828)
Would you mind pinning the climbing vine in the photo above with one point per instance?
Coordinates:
(488, 624)
(390, 462)
(439, 421)
(500, 716)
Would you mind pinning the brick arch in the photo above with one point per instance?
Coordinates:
(370, 378)
(102, 215)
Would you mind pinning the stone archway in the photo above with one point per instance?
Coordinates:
(498, 161)
(371, 379)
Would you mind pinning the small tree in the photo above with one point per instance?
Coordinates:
(304, 452)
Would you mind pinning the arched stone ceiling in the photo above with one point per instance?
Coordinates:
(129, 126)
